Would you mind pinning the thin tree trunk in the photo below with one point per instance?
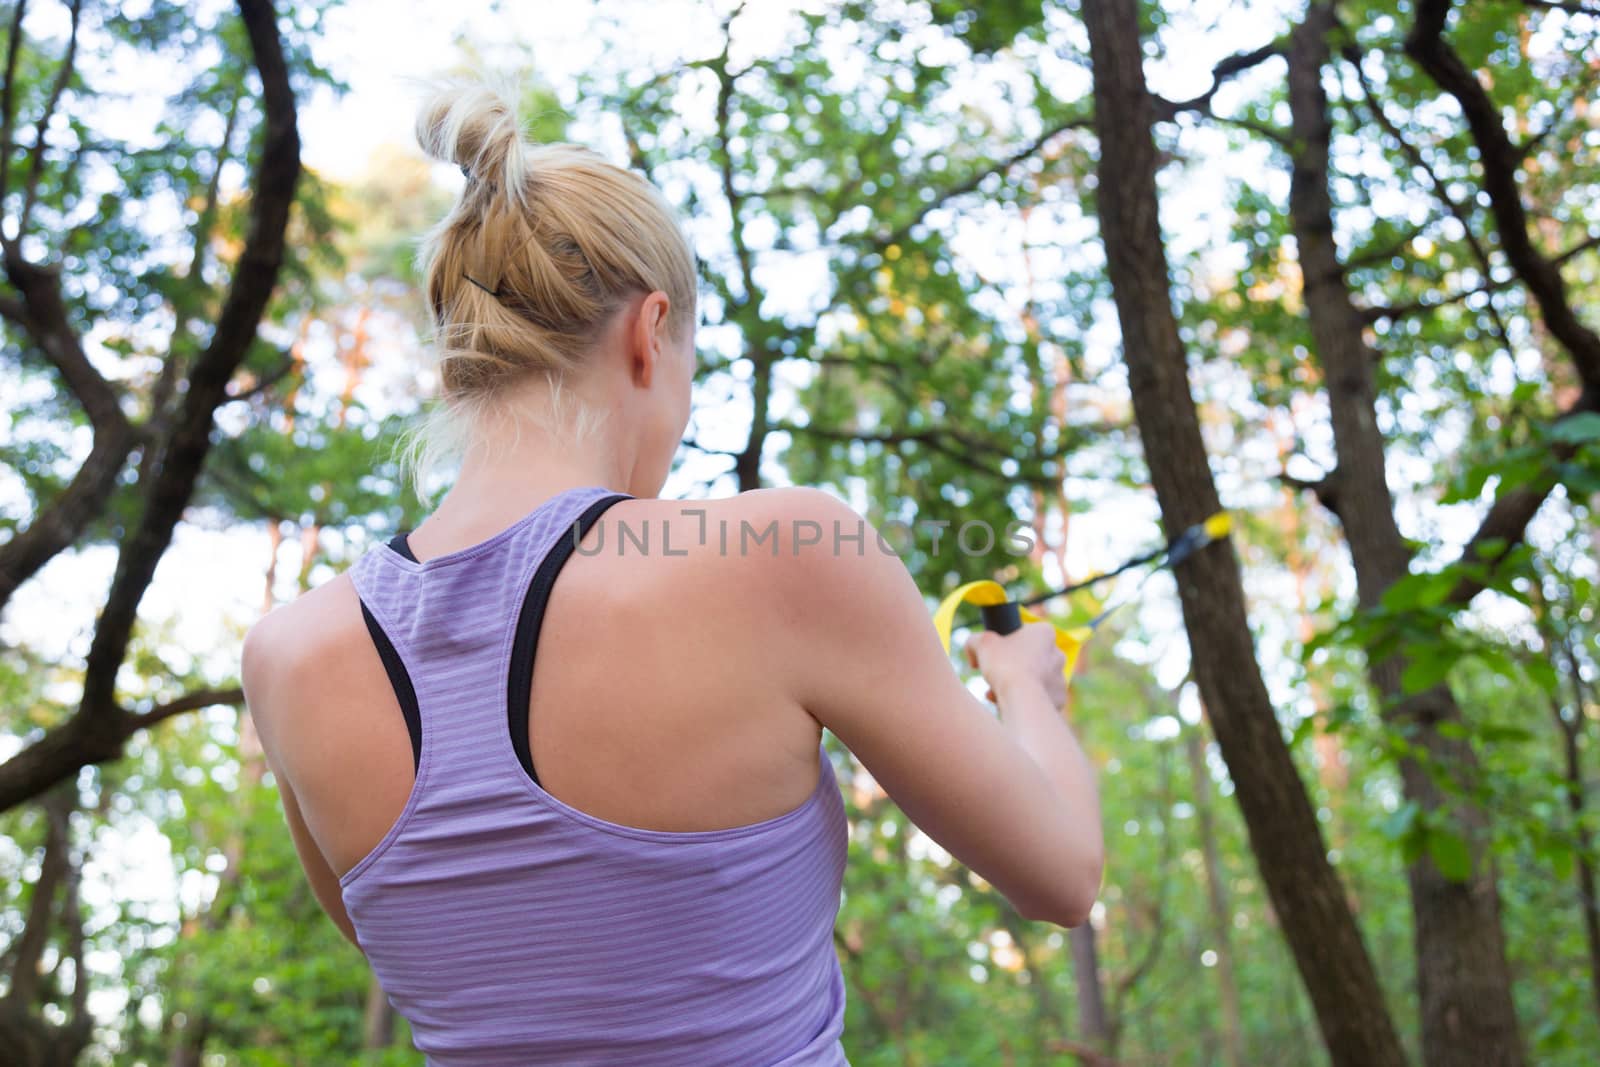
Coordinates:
(189, 1049)
(1584, 845)
(1332, 771)
(191, 1046)
(274, 542)
(28, 950)
(1047, 1015)
(1092, 1024)
(27, 1038)
(1303, 887)
(380, 1018)
(1463, 978)
(1570, 734)
(1216, 897)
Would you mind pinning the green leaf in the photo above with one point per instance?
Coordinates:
(1449, 853)
(1437, 588)
(1405, 593)
(1401, 822)
(1543, 673)
(1490, 547)
(1562, 861)
(1426, 670)
(1582, 480)
(1504, 734)
(1577, 429)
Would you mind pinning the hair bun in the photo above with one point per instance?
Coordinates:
(474, 125)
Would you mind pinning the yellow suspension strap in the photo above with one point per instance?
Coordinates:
(1003, 615)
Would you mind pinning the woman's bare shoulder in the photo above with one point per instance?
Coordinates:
(758, 521)
(295, 637)
(780, 550)
(755, 504)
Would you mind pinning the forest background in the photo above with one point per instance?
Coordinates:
(1102, 266)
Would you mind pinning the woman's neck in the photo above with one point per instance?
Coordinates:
(505, 476)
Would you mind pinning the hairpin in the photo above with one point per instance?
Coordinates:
(465, 173)
(495, 292)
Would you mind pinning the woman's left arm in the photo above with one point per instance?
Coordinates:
(324, 882)
(254, 670)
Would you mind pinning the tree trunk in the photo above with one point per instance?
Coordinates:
(1463, 979)
(1092, 1025)
(27, 952)
(1217, 898)
(1584, 841)
(27, 1039)
(189, 1051)
(378, 1027)
(1301, 884)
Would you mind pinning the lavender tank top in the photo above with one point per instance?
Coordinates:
(509, 928)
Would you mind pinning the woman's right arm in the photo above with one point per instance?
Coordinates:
(1013, 797)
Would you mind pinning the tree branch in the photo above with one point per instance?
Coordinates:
(945, 440)
(1400, 311)
(1440, 189)
(278, 373)
(690, 442)
(63, 520)
(200, 698)
(1368, 257)
(1277, 136)
(42, 314)
(36, 156)
(1571, 7)
(183, 298)
(1506, 523)
(1576, 250)
(1167, 110)
(725, 86)
(1395, 312)
(97, 731)
(8, 100)
(253, 281)
(1499, 158)
(884, 238)
(85, 738)
(747, 464)
(1325, 489)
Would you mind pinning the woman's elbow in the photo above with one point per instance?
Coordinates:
(1073, 897)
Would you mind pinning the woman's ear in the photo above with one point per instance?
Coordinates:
(645, 340)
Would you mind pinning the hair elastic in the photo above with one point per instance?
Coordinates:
(495, 292)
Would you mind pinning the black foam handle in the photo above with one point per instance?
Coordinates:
(1002, 618)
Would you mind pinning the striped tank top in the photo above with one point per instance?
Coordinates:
(509, 928)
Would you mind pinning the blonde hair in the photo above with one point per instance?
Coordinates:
(545, 244)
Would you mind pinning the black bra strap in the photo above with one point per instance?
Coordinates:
(399, 543)
(519, 687)
(403, 689)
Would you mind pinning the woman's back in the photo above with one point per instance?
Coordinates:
(510, 926)
(584, 815)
